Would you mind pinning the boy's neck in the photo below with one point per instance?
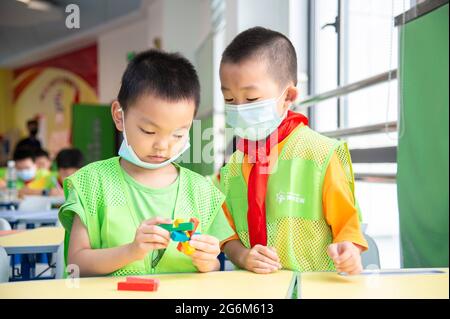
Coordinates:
(154, 178)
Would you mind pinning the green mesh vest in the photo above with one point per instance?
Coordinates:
(111, 221)
(296, 225)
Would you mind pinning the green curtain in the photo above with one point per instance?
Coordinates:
(423, 158)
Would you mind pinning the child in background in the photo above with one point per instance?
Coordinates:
(43, 161)
(68, 161)
(30, 179)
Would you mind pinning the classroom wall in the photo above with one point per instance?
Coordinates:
(7, 116)
(115, 44)
(286, 16)
(241, 15)
(47, 89)
(7, 130)
(189, 36)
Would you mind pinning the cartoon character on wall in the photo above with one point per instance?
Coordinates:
(48, 90)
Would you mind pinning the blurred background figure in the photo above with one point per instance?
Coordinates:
(43, 160)
(31, 142)
(31, 180)
(68, 161)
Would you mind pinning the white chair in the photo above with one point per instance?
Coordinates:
(4, 265)
(35, 203)
(363, 227)
(370, 257)
(59, 257)
(4, 224)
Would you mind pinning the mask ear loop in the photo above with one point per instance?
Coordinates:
(123, 123)
(288, 108)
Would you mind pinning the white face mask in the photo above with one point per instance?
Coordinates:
(127, 153)
(26, 174)
(254, 121)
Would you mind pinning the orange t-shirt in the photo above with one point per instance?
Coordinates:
(337, 200)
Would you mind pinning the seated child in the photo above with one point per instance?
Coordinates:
(114, 207)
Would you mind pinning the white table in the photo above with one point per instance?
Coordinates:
(32, 242)
(30, 217)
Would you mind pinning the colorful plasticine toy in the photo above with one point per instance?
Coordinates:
(182, 232)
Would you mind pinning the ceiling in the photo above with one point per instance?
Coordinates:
(24, 29)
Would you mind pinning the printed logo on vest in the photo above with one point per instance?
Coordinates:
(288, 196)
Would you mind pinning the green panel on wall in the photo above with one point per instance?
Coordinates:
(93, 131)
(423, 158)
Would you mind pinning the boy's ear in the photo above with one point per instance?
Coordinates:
(117, 115)
(291, 96)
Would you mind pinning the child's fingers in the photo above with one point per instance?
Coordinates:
(356, 270)
(264, 270)
(157, 220)
(202, 256)
(349, 262)
(343, 256)
(266, 260)
(261, 264)
(345, 268)
(267, 252)
(205, 243)
(205, 239)
(153, 238)
(205, 247)
(153, 229)
(332, 251)
(351, 270)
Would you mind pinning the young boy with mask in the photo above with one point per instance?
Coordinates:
(30, 179)
(289, 190)
(114, 208)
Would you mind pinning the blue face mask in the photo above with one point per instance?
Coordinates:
(254, 121)
(127, 153)
(26, 174)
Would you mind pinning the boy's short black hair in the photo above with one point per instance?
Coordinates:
(70, 158)
(22, 153)
(41, 152)
(169, 76)
(271, 46)
(32, 122)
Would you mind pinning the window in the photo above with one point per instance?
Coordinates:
(352, 40)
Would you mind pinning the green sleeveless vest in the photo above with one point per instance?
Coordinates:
(111, 221)
(296, 225)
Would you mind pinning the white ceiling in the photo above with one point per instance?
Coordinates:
(24, 30)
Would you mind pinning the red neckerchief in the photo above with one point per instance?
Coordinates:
(28, 182)
(258, 153)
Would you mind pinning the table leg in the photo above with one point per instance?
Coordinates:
(28, 266)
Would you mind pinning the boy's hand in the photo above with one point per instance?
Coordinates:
(206, 251)
(149, 236)
(28, 191)
(56, 192)
(346, 257)
(262, 260)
